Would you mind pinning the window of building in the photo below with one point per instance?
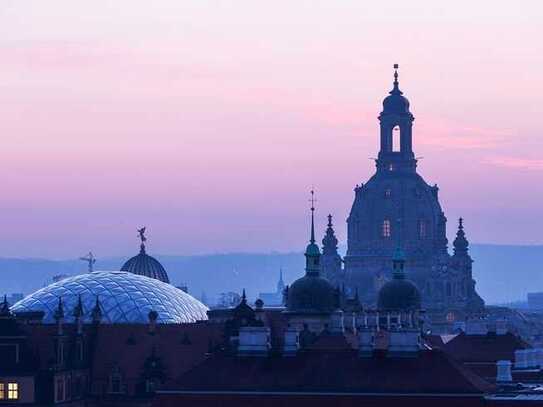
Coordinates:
(422, 229)
(388, 192)
(451, 317)
(391, 167)
(13, 391)
(59, 395)
(115, 381)
(396, 137)
(2, 391)
(386, 228)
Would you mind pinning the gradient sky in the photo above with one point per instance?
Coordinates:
(208, 121)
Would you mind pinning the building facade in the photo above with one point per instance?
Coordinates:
(397, 201)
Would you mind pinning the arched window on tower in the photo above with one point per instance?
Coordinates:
(396, 137)
(386, 230)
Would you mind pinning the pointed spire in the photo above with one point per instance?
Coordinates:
(312, 252)
(280, 283)
(243, 297)
(96, 312)
(59, 311)
(330, 242)
(460, 243)
(396, 84)
(312, 200)
(78, 310)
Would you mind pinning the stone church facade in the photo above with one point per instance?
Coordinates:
(397, 205)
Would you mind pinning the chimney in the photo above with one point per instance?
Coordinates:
(476, 327)
(531, 356)
(254, 341)
(501, 327)
(521, 359)
(292, 342)
(404, 343)
(153, 316)
(336, 320)
(503, 371)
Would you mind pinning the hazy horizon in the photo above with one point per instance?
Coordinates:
(208, 122)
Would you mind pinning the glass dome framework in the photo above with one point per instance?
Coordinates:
(124, 298)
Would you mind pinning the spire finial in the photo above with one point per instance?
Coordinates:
(143, 239)
(461, 223)
(243, 297)
(330, 220)
(396, 88)
(312, 200)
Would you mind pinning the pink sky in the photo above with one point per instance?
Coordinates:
(208, 121)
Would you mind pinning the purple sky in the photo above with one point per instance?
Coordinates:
(208, 121)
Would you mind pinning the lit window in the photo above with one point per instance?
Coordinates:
(388, 193)
(451, 317)
(386, 228)
(391, 167)
(2, 391)
(13, 391)
(422, 229)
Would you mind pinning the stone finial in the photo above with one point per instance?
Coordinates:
(460, 243)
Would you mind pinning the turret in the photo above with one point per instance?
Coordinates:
(396, 153)
(461, 244)
(331, 260)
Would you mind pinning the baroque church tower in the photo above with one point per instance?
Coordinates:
(396, 192)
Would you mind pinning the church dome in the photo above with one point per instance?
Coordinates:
(396, 103)
(145, 265)
(123, 298)
(311, 294)
(399, 294)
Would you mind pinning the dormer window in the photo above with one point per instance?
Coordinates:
(386, 230)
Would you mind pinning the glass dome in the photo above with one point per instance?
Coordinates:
(124, 298)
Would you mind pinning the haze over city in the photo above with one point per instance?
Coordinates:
(168, 114)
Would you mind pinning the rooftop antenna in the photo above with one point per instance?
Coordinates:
(90, 259)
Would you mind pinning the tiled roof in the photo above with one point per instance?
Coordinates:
(429, 372)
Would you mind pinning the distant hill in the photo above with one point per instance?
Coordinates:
(503, 273)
